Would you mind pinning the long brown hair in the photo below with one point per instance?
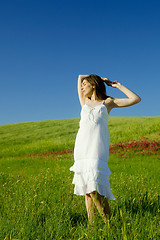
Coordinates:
(99, 85)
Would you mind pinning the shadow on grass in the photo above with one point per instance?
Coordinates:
(78, 219)
(141, 203)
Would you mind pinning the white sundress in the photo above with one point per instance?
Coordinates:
(91, 152)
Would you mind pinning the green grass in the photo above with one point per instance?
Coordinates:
(43, 136)
(36, 194)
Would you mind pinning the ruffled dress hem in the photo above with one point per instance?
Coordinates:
(90, 177)
(100, 189)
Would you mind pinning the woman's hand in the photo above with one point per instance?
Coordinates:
(115, 84)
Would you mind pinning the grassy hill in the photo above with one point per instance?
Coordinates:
(42, 136)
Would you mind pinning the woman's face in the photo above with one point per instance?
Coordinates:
(87, 88)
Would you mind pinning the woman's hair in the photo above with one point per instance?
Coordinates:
(99, 85)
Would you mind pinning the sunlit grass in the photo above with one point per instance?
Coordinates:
(54, 135)
(37, 200)
(36, 191)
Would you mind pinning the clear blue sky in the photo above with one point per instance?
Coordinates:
(45, 45)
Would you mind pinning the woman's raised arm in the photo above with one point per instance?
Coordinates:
(80, 93)
(132, 99)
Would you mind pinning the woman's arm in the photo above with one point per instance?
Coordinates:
(124, 102)
(80, 93)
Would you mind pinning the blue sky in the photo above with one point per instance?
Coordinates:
(45, 45)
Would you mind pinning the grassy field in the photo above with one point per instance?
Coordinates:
(43, 136)
(36, 194)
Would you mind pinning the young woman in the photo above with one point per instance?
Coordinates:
(91, 151)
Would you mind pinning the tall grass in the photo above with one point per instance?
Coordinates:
(36, 191)
(37, 200)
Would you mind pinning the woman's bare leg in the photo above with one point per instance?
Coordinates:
(102, 205)
(90, 206)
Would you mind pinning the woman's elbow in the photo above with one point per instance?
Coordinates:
(137, 100)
